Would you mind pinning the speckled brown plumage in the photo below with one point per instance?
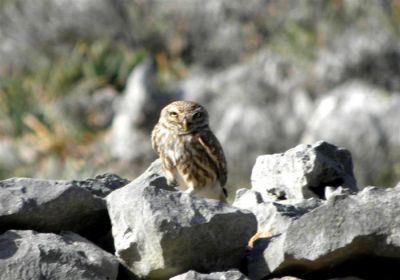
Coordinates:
(192, 157)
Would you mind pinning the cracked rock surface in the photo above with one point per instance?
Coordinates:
(159, 233)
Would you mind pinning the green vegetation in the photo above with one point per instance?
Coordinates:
(28, 98)
(84, 69)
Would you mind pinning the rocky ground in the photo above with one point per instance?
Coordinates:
(304, 213)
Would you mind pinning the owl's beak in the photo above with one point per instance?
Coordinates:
(185, 125)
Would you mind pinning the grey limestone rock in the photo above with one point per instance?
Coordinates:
(374, 140)
(31, 33)
(101, 185)
(357, 54)
(208, 28)
(245, 198)
(274, 216)
(55, 205)
(286, 278)
(160, 232)
(153, 176)
(303, 172)
(136, 112)
(354, 235)
(225, 275)
(28, 255)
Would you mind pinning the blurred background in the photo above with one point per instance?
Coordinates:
(82, 81)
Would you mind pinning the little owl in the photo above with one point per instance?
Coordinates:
(191, 155)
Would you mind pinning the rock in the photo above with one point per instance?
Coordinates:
(101, 185)
(334, 191)
(273, 217)
(355, 235)
(28, 255)
(49, 28)
(238, 120)
(289, 278)
(373, 141)
(303, 172)
(246, 198)
(51, 205)
(356, 54)
(160, 232)
(216, 34)
(153, 176)
(139, 93)
(136, 114)
(226, 275)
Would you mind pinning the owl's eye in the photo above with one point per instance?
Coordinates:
(197, 115)
(173, 114)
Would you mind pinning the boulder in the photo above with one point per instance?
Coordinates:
(374, 140)
(349, 235)
(153, 176)
(303, 172)
(216, 33)
(359, 54)
(28, 255)
(56, 205)
(225, 275)
(101, 185)
(273, 216)
(160, 232)
(135, 115)
(52, 27)
(295, 278)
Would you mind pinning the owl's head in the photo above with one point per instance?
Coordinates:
(184, 117)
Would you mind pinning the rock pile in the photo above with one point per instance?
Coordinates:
(27, 254)
(307, 217)
(49, 229)
(174, 231)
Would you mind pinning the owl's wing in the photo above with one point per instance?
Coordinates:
(215, 152)
(154, 139)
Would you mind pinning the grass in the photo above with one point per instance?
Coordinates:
(298, 43)
(53, 145)
(28, 98)
(84, 69)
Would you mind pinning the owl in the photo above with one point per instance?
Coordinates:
(191, 156)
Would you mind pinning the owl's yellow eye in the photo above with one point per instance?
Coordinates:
(173, 114)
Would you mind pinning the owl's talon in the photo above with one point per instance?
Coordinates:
(189, 191)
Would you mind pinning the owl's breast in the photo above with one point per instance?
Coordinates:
(178, 149)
